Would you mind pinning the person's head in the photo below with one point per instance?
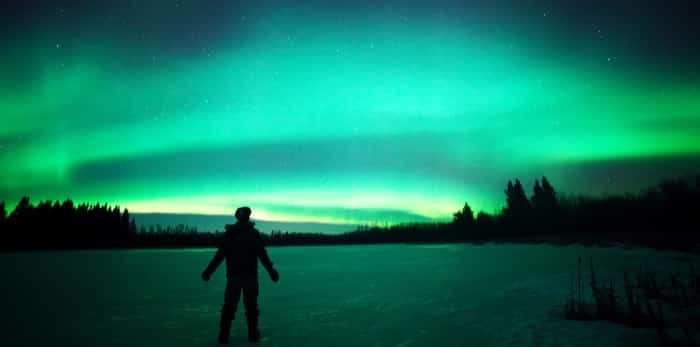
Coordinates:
(243, 214)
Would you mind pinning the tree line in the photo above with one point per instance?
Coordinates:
(666, 215)
(61, 225)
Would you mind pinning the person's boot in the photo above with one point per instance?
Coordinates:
(224, 336)
(253, 332)
(225, 325)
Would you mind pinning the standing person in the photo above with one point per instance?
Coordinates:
(242, 246)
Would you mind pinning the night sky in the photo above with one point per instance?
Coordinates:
(343, 111)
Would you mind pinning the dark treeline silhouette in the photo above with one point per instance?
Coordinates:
(158, 236)
(412, 232)
(63, 225)
(664, 216)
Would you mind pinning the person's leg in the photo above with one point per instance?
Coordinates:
(250, 301)
(228, 311)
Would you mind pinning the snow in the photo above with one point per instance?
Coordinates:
(379, 295)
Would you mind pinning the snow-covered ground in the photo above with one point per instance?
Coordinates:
(385, 295)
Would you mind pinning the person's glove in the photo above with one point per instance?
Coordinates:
(274, 275)
(206, 276)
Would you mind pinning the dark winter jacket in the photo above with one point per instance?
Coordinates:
(241, 247)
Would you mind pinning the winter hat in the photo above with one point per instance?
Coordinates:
(243, 213)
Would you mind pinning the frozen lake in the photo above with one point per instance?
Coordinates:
(385, 295)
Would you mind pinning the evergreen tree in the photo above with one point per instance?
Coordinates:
(544, 198)
(520, 197)
(510, 202)
(549, 196)
(20, 216)
(509, 194)
(537, 196)
(465, 217)
(22, 209)
(517, 204)
(484, 221)
(3, 213)
(125, 223)
(127, 227)
(4, 237)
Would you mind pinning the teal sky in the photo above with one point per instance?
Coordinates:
(341, 112)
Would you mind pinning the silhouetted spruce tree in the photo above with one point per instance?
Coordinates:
(23, 209)
(4, 232)
(42, 230)
(128, 226)
(484, 223)
(517, 204)
(69, 224)
(536, 195)
(548, 193)
(465, 217)
(20, 216)
(462, 224)
(125, 220)
(115, 226)
(3, 213)
(544, 199)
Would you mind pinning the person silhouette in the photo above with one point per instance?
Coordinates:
(241, 246)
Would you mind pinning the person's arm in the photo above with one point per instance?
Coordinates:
(265, 260)
(215, 262)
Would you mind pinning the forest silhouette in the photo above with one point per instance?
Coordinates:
(664, 216)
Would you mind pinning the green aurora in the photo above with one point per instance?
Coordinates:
(331, 114)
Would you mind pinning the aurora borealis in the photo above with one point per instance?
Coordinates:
(343, 111)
